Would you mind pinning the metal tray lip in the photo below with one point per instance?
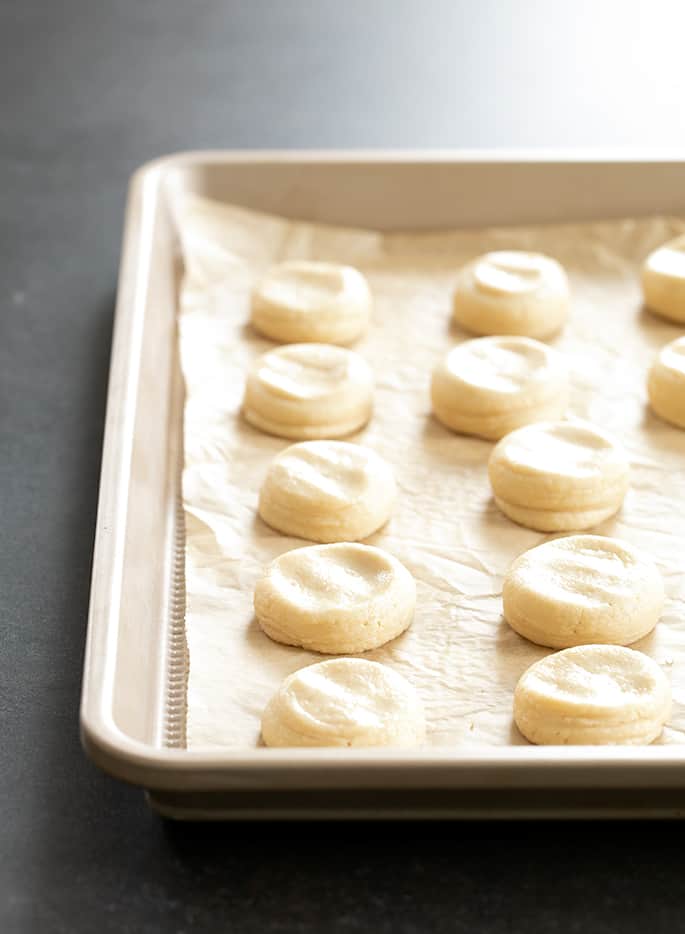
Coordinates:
(529, 155)
(170, 768)
(99, 733)
(522, 766)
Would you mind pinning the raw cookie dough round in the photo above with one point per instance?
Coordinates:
(344, 702)
(327, 491)
(301, 300)
(492, 385)
(666, 383)
(335, 598)
(592, 695)
(663, 280)
(558, 476)
(512, 292)
(309, 391)
(583, 589)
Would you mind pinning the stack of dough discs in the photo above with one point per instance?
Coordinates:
(335, 598)
(344, 702)
(327, 491)
(592, 695)
(302, 300)
(583, 589)
(512, 292)
(490, 386)
(666, 383)
(558, 476)
(309, 391)
(663, 280)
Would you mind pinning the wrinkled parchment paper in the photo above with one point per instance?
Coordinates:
(461, 656)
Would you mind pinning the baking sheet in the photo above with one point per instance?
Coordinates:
(461, 656)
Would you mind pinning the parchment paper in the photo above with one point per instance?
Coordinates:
(461, 656)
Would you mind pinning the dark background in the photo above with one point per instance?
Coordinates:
(89, 91)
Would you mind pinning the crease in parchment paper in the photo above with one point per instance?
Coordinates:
(461, 656)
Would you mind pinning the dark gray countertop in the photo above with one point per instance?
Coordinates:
(91, 90)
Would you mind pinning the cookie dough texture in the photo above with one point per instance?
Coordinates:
(592, 695)
(558, 476)
(663, 280)
(493, 385)
(335, 599)
(666, 383)
(309, 391)
(327, 491)
(344, 702)
(302, 300)
(512, 292)
(583, 589)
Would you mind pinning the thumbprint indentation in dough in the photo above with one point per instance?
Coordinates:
(332, 575)
(605, 677)
(304, 286)
(304, 371)
(669, 260)
(500, 364)
(336, 471)
(560, 447)
(595, 570)
(508, 272)
(340, 704)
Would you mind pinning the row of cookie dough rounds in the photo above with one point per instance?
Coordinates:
(507, 292)
(336, 598)
(340, 597)
(589, 595)
(589, 695)
(333, 598)
(380, 688)
(485, 387)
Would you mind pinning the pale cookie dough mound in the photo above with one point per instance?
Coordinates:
(301, 300)
(583, 589)
(327, 491)
(344, 702)
(335, 598)
(309, 391)
(558, 476)
(663, 280)
(492, 385)
(512, 292)
(666, 383)
(592, 695)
